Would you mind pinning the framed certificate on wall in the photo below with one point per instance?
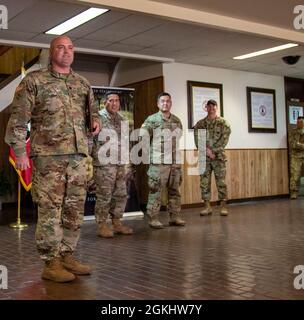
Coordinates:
(198, 95)
(261, 104)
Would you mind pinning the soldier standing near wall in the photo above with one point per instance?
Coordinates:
(110, 178)
(55, 101)
(217, 136)
(296, 145)
(165, 167)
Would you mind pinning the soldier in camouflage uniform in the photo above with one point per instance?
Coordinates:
(55, 100)
(296, 147)
(165, 168)
(110, 178)
(217, 136)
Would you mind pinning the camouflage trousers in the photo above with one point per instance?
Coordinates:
(111, 192)
(296, 164)
(59, 189)
(160, 177)
(219, 169)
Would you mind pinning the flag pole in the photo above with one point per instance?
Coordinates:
(18, 224)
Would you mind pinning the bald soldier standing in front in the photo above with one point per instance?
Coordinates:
(56, 101)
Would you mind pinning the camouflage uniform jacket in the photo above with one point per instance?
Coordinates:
(296, 142)
(217, 135)
(111, 122)
(55, 104)
(154, 124)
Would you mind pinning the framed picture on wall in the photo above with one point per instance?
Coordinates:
(261, 104)
(198, 95)
(295, 111)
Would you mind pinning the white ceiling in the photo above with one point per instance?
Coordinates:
(141, 34)
(271, 12)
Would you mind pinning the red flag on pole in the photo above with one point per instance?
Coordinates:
(25, 176)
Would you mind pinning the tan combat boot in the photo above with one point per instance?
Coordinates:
(119, 228)
(71, 264)
(223, 210)
(206, 209)
(155, 223)
(293, 195)
(176, 220)
(53, 270)
(104, 231)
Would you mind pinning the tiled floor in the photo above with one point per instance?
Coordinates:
(251, 254)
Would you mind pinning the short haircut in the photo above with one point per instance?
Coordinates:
(52, 46)
(211, 102)
(300, 118)
(54, 40)
(110, 93)
(162, 94)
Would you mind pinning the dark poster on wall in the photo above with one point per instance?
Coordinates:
(127, 111)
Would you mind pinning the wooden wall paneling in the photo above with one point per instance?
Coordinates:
(251, 173)
(257, 172)
(11, 60)
(190, 187)
(278, 181)
(235, 174)
(4, 49)
(284, 180)
(263, 179)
